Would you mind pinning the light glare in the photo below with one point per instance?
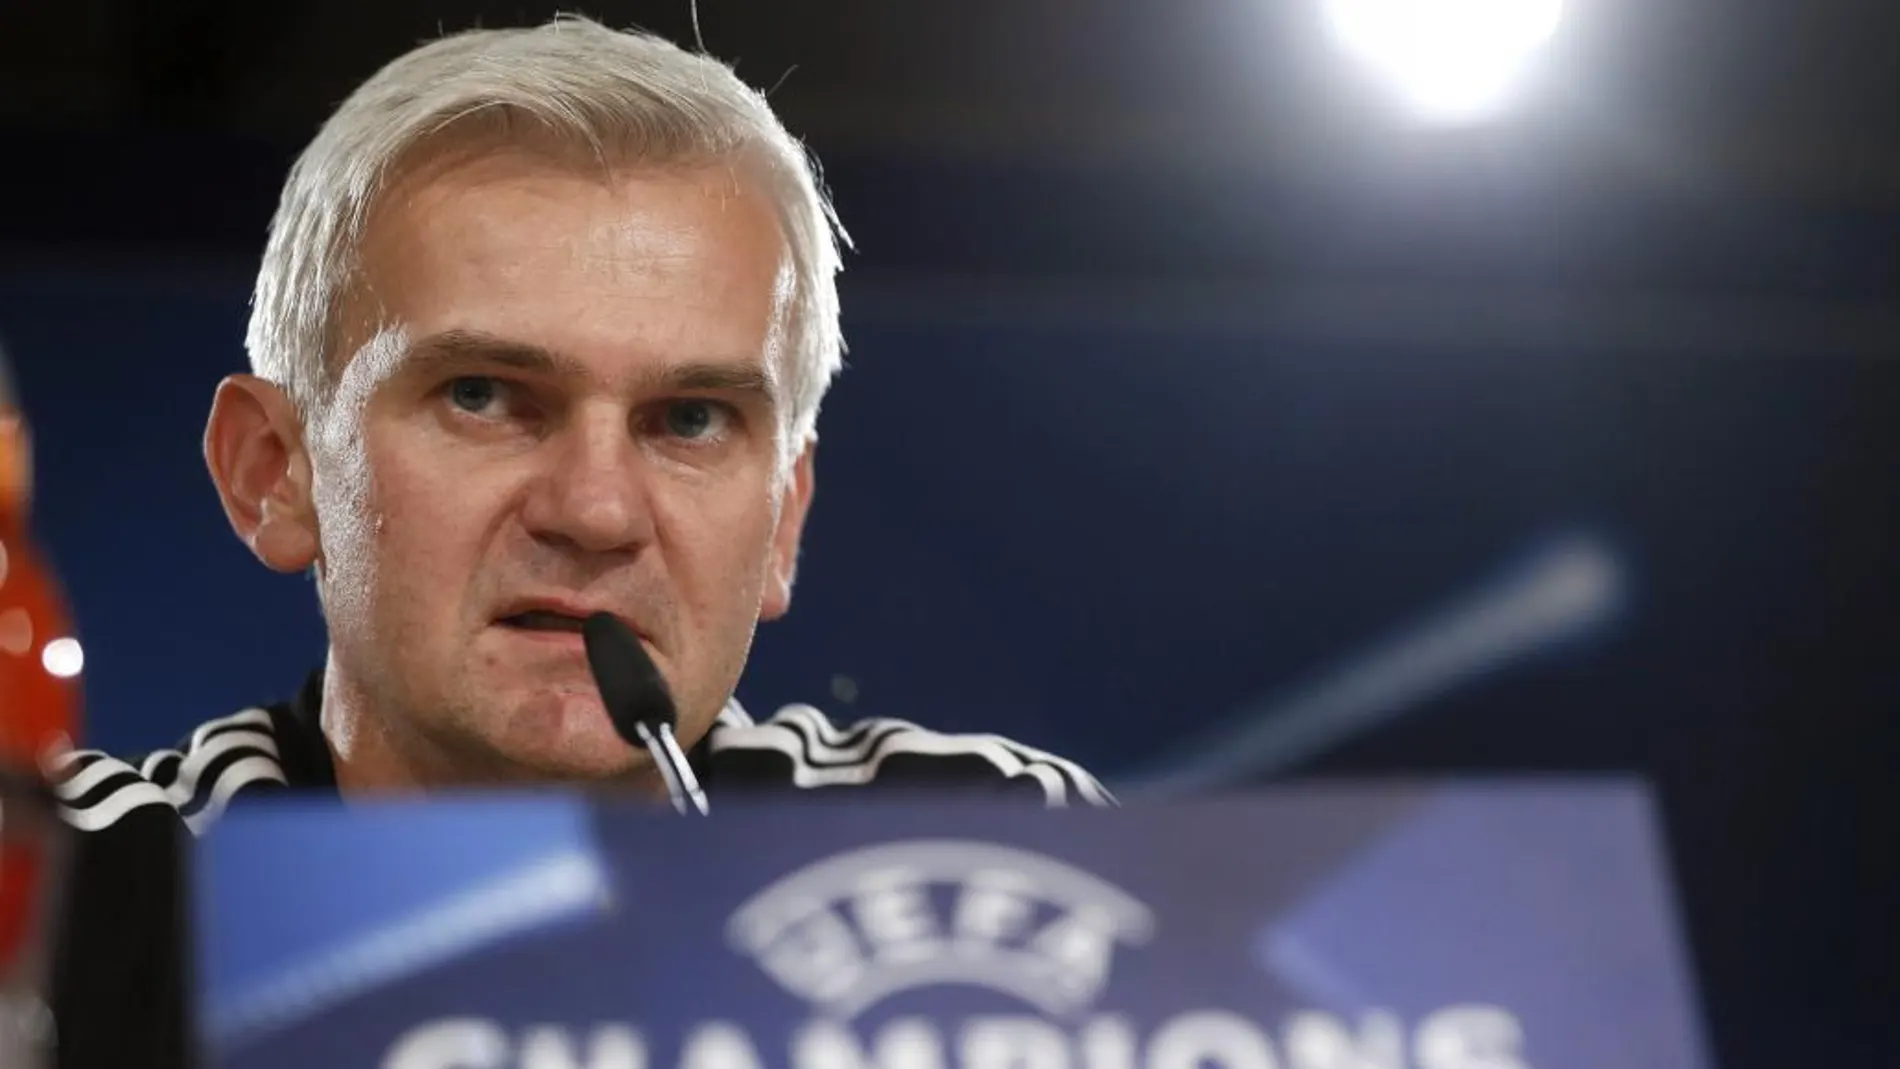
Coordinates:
(1452, 61)
(63, 657)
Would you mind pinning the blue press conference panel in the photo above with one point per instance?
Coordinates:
(1491, 927)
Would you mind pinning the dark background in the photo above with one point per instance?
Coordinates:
(1184, 379)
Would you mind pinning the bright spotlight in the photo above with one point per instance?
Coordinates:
(1451, 61)
(63, 657)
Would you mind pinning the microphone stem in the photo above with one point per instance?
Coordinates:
(681, 785)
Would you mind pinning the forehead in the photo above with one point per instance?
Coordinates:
(641, 263)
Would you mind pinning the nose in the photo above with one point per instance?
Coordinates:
(591, 494)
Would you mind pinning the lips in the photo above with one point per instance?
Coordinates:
(553, 617)
(542, 620)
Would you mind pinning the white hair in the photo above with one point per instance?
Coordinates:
(619, 95)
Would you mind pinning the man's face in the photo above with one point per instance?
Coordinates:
(574, 407)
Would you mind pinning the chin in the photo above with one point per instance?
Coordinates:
(565, 737)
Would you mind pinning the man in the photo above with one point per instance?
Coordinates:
(541, 330)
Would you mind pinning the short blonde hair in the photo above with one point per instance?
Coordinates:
(620, 95)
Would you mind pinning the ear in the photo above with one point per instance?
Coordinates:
(254, 448)
(776, 599)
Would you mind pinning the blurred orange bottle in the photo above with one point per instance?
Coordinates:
(39, 658)
(39, 700)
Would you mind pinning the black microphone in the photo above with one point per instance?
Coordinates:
(639, 704)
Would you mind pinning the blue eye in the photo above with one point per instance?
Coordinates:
(691, 420)
(473, 394)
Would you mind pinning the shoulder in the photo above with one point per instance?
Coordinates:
(801, 745)
(115, 986)
(195, 781)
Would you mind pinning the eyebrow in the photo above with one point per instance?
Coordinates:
(459, 348)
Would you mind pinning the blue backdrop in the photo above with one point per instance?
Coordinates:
(1100, 530)
(1355, 527)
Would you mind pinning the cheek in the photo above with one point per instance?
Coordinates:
(398, 529)
(720, 545)
(430, 519)
(347, 519)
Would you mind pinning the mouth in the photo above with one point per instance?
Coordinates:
(543, 620)
(556, 621)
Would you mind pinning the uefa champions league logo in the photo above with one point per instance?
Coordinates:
(849, 932)
(855, 929)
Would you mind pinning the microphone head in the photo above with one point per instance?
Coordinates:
(631, 688)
